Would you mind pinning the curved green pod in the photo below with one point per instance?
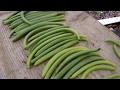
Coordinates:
(23, 17)
(19, 21)
(97, 67)
(41, 45)
(48, 16)
(11, 33)
(53, 43)
(14, 34)
(15, 15)
(30, 15)
(50, 49)
(56, 56)
(84, 68)
(117, 52)
(32, 27)
(43, 40)
(54, 38)
(52, 15)
(49, 55)
(40, 12)
(27, 13)
(10, 21)
(73, 63)
(51, 32)
(55, 14)
(77, 67)
(58, 61)
(33, 19)
(21, 26)
(71, 57)
(40, 29)
(39, 34)
(12, 14)
(117, 42)
(112, 76)
(37, 30)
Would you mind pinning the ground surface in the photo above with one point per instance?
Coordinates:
(107, 14)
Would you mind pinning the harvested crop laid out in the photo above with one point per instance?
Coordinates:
(74, 64)
(115, 46)
(48, 39)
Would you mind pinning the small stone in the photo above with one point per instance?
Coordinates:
(111, 29)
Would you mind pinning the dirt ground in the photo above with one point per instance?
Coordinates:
(107, 14)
